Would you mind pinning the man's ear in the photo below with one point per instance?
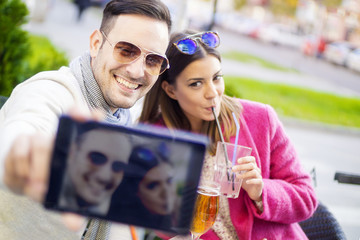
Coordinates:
(169, 89)
(96, 40)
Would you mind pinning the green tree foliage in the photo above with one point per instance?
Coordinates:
(286, 7)
(238, 4)
(14, 45)
(331, 3)
(43, 56)
(283, 7)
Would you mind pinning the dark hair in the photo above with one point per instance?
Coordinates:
(143, 158)
(158, 106)
(155, 9)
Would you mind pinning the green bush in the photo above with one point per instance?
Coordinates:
(14, 45)
(43, 56)
(22, 54)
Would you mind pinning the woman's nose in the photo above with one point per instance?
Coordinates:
(211, 91)
(164, 192)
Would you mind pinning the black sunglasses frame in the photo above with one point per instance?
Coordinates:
(116, 166)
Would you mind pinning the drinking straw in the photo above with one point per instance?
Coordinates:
(236, 137)
(222, 140)
(133, 233)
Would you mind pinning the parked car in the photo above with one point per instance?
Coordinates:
(280, 34)
(353, 60)
(337, 52)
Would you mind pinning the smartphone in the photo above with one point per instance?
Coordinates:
(144, 175)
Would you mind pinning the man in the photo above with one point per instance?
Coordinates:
(126, 56)
(95, 168)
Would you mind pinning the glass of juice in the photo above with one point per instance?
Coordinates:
(206, 208)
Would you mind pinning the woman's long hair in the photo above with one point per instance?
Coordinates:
(158, 105)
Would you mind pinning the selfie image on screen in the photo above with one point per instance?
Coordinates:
(124, 175)
(95, 168)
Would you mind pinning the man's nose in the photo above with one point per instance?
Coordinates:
(137, 68)
(105, 173)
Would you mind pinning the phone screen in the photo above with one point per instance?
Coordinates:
(144, 176)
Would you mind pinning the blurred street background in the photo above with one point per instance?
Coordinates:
(306, 44)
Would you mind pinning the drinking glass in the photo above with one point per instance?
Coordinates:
(206, 209)
(227, 155)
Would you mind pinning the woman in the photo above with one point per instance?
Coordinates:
(276, 192)
(149, 187)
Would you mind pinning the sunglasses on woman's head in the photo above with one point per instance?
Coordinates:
(99, 159)
(189, 44)
(126, 53)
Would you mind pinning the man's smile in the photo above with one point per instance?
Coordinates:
(127, 84)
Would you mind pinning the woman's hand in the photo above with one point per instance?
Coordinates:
(251, 175)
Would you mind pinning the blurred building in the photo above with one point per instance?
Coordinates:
(351, 15)
(334, 24)
(38, 9)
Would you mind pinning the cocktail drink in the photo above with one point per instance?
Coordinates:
(230, 187)
(227, 155)
(205, 210)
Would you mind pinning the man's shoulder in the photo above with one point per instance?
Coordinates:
(59, 87)
(51, 81)
(63, 76)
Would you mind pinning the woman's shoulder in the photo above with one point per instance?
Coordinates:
(255, 112)
(254, 107)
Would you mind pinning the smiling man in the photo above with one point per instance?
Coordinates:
(125, 59)
(95, 169)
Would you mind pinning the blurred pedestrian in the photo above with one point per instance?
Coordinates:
(81, 6)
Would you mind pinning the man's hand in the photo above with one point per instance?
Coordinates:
(28, 160)
(27, 165)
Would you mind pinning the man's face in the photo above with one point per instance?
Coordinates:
(123, 84)
(97, 167)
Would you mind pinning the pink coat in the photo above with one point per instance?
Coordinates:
(288, 195)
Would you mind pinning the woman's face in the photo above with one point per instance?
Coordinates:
(198, 88)
(157, 191)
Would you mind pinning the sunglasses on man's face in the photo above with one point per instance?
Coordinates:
(99, 159)
(189, 44)
(126, 53)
